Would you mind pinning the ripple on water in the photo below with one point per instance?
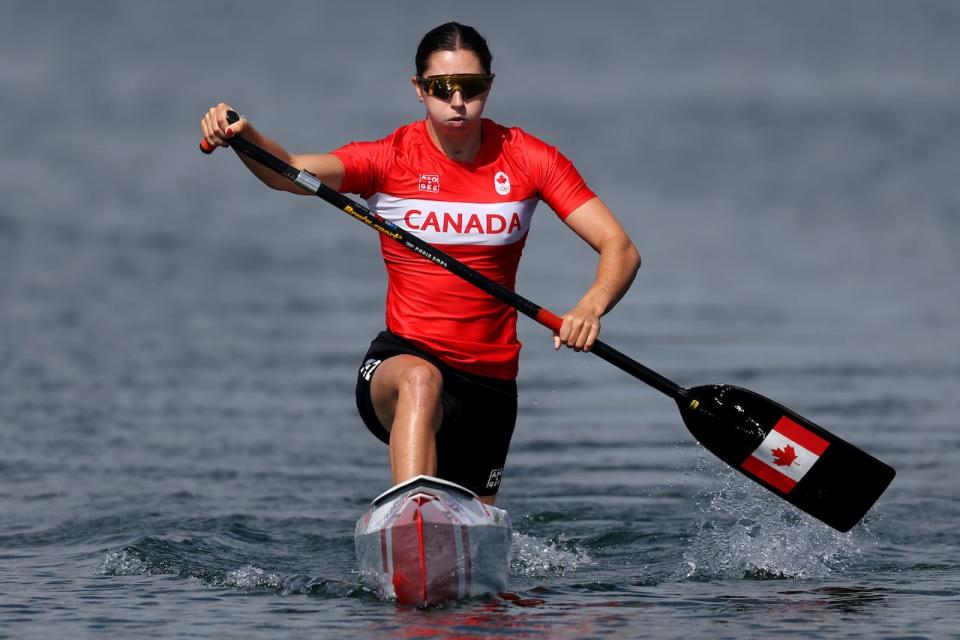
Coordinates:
(530, 558)
(129, 562)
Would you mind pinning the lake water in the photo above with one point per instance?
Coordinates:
(179, 451)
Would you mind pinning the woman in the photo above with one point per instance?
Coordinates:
(439, 386)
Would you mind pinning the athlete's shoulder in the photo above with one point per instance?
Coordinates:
(367, 164)
(406, 135)
(520, 142)
(383, 149)
(549, 172)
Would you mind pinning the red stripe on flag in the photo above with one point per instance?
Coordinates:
(768, 474)
(802, 436)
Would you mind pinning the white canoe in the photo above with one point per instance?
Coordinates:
(427, 541)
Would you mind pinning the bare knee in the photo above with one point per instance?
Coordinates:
(408, 388)
(422, 381)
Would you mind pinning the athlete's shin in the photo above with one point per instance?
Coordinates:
(413, 452)
(416, 420)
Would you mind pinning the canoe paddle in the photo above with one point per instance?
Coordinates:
(801, 462)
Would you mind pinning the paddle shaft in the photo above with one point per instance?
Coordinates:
(312, 184)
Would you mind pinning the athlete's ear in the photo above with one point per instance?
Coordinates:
(417, 87)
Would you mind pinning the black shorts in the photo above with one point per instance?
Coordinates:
(479, 414)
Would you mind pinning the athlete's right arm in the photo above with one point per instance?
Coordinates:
(216, 131)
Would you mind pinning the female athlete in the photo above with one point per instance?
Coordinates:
(439, 385)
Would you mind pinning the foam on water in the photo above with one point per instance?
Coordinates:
(123, 563)
(251, 577)
(745, 532)
(531, 557)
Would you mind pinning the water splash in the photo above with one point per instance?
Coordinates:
(747, 533)
(252, 578)
(124, 563)
(530, 557)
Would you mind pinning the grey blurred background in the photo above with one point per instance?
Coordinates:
(177, 343)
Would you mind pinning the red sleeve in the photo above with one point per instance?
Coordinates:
(363, 164)
(559, 183)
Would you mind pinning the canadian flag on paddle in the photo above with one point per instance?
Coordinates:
(786, 455)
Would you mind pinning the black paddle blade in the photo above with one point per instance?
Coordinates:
(806, 465)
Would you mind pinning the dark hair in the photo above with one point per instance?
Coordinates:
(451, 37)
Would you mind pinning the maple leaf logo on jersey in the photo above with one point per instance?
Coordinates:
(501, 183)
(784, 457)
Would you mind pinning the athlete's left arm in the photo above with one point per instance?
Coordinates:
(616, 269)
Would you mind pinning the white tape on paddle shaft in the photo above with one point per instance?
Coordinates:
(308, 181)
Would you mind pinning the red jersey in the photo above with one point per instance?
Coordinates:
(477, 212)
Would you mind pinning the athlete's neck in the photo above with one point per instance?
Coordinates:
(463, 147)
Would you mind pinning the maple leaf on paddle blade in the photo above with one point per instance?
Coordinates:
(784, 457)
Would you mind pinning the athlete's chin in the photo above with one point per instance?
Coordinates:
(459, 126)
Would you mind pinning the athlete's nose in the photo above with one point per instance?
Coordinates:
(456, 100)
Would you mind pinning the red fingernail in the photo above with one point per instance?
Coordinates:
(229, 132)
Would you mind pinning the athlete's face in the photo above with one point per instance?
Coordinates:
(455, 116)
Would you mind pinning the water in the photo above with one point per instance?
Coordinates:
(179, 449)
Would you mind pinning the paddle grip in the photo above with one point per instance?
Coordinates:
(206, 147)
(549, 320)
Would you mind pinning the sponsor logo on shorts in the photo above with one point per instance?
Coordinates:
(495, 477)
(369, 367)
